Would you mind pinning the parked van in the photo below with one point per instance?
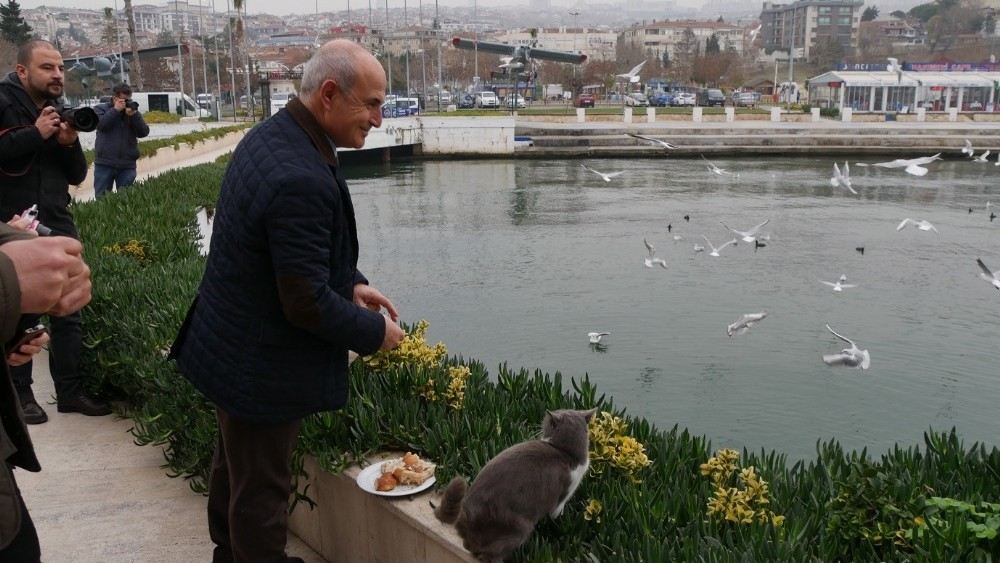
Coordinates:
(281, 100)
(169, 102)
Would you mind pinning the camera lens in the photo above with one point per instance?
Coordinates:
(132, 105)
(82, 119)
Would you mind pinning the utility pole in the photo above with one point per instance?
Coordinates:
(218, 80)
(204, 63)
(232, 63)
(180, 56)
(475, 35)
(385, 39)
(791, 55)
(121, 60)
(437, 24)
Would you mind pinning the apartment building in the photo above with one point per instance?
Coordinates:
(805, 23)
(657, 37)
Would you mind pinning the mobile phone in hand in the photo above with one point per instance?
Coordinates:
(28, 335)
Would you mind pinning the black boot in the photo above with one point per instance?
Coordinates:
(33, 413)
(83, 405)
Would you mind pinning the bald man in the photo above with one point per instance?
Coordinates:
(282, 301)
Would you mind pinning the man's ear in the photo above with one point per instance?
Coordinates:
(327, 91)
(21, 70)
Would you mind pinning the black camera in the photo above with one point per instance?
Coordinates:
(132, 105)
(82, 119)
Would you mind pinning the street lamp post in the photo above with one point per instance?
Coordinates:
(385, 39)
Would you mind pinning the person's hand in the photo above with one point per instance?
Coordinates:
(24, 354)
(119, 103)
(48, 122)
(129, 112)
(51, 273)
(67, 135)
(22, 224)
(393, 334)
(372, 299)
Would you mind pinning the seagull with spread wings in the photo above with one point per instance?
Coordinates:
(967, 149)
(715, 169)
(750, 235)
(914, 166)
(652, 260)
(744, 323)
(658, 142)
(986, 274)
(922, 225)
(715, 251)
(842, 179)
(840, 285)
(852, 357)
(605, 176)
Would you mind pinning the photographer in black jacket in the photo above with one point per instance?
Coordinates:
(40, 156)
(119, 127)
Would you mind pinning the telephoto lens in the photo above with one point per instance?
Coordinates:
(132, 105)
(82, 119)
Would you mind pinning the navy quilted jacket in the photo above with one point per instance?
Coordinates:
(284, 219)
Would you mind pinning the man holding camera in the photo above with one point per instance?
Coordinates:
(119, 127)
(40, 156)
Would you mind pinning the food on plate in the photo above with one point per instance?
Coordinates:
(408, 470)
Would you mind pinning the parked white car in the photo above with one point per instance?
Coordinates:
(279, 101)
(685, 99)
(636, 99)
(487, 100)
(515, 101)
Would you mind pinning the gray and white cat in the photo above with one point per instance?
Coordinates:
(519, 487)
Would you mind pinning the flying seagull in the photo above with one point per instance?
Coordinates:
(595, 337)
(986, 274)
(982, 157)
(914, 166)
(652, 260)
(923, 225)
(715, 169)
(842, 179)
(840, 285)
(744, 323)
(715, 251)
(754, 32)
(607, 177)
(747, 236)
(664, 144)
(967, 149)
(852, 357)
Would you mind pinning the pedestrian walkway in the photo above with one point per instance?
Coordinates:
(100, 498)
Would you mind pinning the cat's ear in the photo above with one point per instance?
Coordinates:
(588, 415)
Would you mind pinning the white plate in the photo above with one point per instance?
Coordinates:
(366, 480)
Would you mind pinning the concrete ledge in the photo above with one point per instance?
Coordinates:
(167, 157)
(349, 525)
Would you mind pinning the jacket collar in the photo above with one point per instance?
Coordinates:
(301, 114)
(12, 85)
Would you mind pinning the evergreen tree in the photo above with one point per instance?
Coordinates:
(712, 45)
(870, 13)
(12, 26)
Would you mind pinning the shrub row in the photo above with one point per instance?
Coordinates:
(149, 148)
(652, 495)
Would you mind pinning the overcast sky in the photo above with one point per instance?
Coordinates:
(283, 7)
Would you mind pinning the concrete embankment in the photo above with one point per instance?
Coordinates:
(565, 140)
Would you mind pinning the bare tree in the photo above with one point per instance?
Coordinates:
(136, 67)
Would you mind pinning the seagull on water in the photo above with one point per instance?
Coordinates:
(982, 157)
(840, 285)
(595, 337)
(744, 323)
(914, 166)
(923, 225)
(607, 177)
(715, 251)
(967, 149)
(852, 357)
(715, 169)
(699, 248)
(842, 179)
(750, 235)
(652, 260)
(663, 144)
(986, 274)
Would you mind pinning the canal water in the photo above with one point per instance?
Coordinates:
(516, 261)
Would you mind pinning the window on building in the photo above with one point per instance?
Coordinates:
(857, 97)
(824, 9)
(844, 20)
(845, 9)
(899, 97)
(823, 20)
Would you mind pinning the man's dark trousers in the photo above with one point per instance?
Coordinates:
(248, 490)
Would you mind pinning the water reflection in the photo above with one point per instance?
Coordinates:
(476, 247)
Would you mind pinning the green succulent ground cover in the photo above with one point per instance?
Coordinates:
(652, 495)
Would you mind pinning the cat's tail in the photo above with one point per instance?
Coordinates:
(451, 502)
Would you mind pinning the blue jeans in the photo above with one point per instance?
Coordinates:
(105, 176)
